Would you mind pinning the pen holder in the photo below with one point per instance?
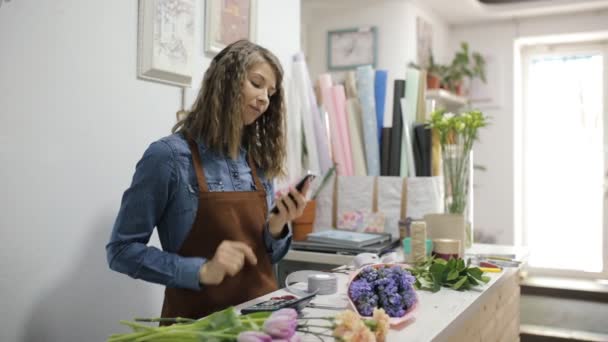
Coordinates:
(302, 226)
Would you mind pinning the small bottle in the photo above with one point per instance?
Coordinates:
(418, 231)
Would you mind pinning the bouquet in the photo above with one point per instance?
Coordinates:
(389, 287)
(281, 325)
(457, 133)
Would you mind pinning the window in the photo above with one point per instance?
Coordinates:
(564, 158)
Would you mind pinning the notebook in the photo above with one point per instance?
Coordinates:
(347, 238)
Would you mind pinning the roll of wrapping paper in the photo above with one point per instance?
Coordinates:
(350, 85)
(293, 126)
(319, 128)
(365, 88)
(340, 107)
(418, 231)
(304, 113)
(325, 83)
(380, 98)
(353, 114)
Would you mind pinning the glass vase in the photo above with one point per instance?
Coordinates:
(457, 174)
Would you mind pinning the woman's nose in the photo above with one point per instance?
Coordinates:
(263, 98)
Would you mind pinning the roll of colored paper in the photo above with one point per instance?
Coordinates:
(365, 87)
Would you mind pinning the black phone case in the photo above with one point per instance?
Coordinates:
(273, 305)
(299, 187)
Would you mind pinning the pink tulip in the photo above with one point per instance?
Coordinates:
(289, 312)
(253, 336)
(280, 326)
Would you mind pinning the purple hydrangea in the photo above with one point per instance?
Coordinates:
(369, 273)
(362, 294)
(390, 288)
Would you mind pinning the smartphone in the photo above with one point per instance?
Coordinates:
(278, 303)
(308, 177)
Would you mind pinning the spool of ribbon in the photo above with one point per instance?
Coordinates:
(318, 282)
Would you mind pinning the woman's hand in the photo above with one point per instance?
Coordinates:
(229, 259)
(291, 206)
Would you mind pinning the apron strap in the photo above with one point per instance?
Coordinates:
(254, 173)
(196, 160)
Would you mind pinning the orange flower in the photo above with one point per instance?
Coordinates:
(382, 324)
(349, 327)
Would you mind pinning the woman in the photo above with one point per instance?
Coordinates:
(208, 190)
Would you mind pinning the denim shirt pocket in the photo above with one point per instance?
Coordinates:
(215, 185)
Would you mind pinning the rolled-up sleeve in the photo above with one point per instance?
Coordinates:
(142, 207)
(276, 248)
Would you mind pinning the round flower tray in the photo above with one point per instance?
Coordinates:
(393, 321)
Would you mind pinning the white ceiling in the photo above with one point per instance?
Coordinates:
(472, 11)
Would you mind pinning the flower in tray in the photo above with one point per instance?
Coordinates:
(382, 324)
(387, 287)
(283, 325)
(348, 326)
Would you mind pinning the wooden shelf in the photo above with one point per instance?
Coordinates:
(446, 97)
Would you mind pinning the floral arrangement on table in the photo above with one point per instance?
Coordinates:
(385, 286)
(456, 136)
(281, 325)
(457, 133)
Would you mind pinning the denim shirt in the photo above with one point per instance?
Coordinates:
(164, 194)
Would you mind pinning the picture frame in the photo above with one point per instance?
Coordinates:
(350, 48)
(227, 21)
(166, 49)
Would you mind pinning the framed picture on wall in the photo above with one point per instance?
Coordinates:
(165, 41)
(227, 21)
(350, 48)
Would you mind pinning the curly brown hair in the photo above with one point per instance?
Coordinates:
(216, 116)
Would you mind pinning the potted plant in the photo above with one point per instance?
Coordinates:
(434, 73)
(464, 64)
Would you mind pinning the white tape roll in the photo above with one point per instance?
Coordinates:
(318, 282)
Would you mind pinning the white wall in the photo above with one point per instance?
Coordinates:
(74, 120)
(396, 25)
(495, 208)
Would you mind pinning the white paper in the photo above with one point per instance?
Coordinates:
(424, 196)
(324, 211)
(355, 193)
(407, 144)
(389, 202)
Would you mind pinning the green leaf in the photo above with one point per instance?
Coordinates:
(222, 319)
(453, 274)
(475, 273)
(485, 279)
(452, 263)
(473, 281)
(460, 265)
(438, 272)
(440, 261)
(459, 283)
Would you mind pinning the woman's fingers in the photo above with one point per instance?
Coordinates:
(246, 252)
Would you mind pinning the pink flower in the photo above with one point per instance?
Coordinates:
(290, 313)
(253, 336)
(280, 326)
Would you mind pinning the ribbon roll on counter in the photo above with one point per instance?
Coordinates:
(321, 283)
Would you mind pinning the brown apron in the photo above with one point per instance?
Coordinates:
(236, 216)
